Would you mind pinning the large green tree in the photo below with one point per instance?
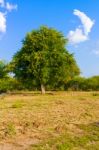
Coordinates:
(44, 59)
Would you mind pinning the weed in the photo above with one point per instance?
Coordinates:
(10, 130)
(17, 104)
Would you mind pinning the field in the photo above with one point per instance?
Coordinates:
(55, 121)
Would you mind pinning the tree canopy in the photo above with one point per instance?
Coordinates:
(43, 59)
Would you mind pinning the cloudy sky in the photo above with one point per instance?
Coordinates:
(77, 19)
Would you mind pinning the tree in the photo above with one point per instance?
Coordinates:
(3, 72)
(4, 84)
(44, 59)
(76, 84)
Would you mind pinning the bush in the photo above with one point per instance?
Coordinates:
(9, 84)
(83, 84)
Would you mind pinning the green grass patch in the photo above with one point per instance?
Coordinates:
(17, 104)
(10, 130)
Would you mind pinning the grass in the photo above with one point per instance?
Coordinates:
(17, 104)
(88, 140)
(55, 121)
(9, 130)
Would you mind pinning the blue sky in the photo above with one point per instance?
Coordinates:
(77, 19)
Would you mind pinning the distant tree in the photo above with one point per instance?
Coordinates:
(92, 83)
(76, 84)
(84, 84)
(3, 76)
(3, 72)
(44, 59)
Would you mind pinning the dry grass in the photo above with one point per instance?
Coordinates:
(55, 121)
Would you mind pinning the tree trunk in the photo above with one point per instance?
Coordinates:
(42, 89)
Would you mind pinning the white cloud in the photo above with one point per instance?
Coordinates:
(11, 7)
(86, 21)
(7, 8)
(81, 33)
(2, 3)
(2, 23)
(77, 36)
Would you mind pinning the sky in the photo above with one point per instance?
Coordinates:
(78, 20)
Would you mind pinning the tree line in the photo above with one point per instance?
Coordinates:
(44, 63)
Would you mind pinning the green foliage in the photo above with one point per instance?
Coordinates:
(84, 84)
(3, 72)
(9, 84)
(77, 83)
(5, 85)
(43, 59)
(92, 83)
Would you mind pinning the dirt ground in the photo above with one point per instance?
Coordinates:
(55, 121)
